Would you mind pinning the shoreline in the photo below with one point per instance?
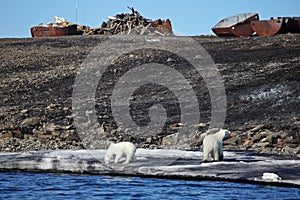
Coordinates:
(239, 167)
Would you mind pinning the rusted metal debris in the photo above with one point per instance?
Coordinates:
(126, 23)
(237, 25)
(60, 28)
(281, 25)
(44, 31)
(244, 25)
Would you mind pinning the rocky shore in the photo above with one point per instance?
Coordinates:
(261, 77)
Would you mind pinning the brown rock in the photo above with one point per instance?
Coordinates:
(259, 136)
(247, 143)
(73, 137)
(259, 127)
(240, 140)
(30, 121)
(280, 145)
(7, 134)
(56, 133)
(233, 134)
(49, 127)
(263, 144)
(18, 134)
(273, 139)
(45, 136)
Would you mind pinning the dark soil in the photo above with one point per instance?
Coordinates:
(261, 77)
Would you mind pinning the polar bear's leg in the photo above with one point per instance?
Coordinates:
(133, 159)
(205, 155)
(216, 155)
(112, 158)
(206, 149)
(221, 156)
(130, 157)
(118, 157)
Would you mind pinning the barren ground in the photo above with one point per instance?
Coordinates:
(261, 77)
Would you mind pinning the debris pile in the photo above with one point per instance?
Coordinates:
(126, 23)
(133, 24)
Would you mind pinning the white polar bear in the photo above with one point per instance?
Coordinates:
(212, 145)
(120, 150)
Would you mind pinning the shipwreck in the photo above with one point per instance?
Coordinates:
(237, 25)
(60, 28)
(281, 25)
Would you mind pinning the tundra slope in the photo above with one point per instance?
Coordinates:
(261, 77)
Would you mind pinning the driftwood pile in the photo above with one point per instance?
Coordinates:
(131, 24)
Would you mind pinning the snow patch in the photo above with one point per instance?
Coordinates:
(209, 164)
(162, 153)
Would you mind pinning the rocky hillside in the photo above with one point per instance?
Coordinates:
(261, 77)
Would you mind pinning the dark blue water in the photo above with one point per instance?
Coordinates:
(65, 186)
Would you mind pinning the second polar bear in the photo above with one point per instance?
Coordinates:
(120, 150)
(212, 145)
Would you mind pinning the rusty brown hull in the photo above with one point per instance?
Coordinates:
(267, 27)
(240, 30)
(44, 31)
(237, 25)
(281, 25)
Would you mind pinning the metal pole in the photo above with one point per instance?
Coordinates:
(76, 10)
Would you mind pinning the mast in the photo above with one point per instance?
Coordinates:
(76, 11)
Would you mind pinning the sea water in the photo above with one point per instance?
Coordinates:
(14, 185)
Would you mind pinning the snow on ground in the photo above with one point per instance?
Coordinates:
(242, 166)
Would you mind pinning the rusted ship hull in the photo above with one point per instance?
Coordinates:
(237, 25)
(267, 27)
(45, 31)
(281, 25)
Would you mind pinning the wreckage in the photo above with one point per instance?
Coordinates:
(245, 25)
(281, 25)
(133, 24)
(237, 25)
(126, 23)
(60, 28)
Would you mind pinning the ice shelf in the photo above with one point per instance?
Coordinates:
(238, 166)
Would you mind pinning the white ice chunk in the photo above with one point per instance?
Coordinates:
(270, 176)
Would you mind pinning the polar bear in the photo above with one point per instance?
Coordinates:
(212, 145)
(120, 150)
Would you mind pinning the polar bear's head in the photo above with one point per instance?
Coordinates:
(222, 134)
(109, 154)
(226, 133)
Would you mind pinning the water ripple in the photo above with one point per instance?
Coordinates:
(65, 186)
